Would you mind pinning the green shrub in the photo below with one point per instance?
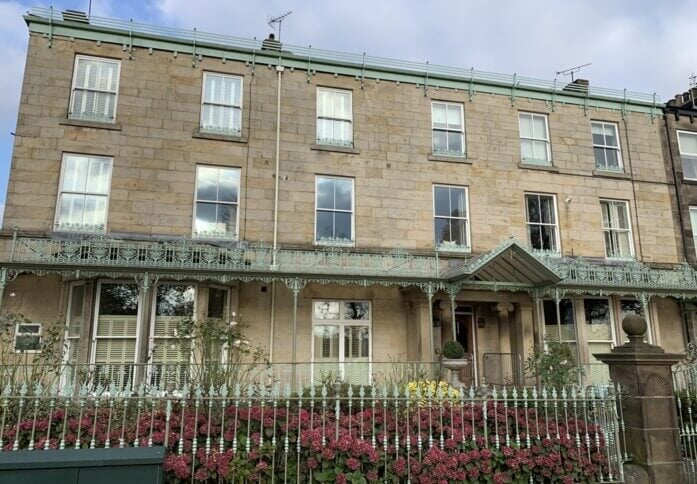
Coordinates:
(554, 366)
(453, 350)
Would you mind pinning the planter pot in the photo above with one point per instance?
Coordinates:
(455, 366)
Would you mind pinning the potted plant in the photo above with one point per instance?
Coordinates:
(454, 360)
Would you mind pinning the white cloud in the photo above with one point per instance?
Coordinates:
(637, 44)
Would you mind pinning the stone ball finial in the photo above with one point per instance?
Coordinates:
(635, 327)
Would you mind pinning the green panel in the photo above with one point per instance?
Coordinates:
(40, 476)
(141, 474)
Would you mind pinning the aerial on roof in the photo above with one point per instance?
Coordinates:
(49, 22)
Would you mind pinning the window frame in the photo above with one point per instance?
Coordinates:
(228, 315)
(232, 237)
(153, 338)
(73, 88)
(547, 140)
(557, 230)
(461, 107)
(82, 228)
(95, 323)
(333, 142)
(19, 333)
(342, 322)
(612, 339)
(629, 230)
(440, 248)
(687, 155)
(220, 131)
(338, 243)
(692, 211)
(558, 325)
(618, 148)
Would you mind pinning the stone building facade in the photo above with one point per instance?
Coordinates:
(348, 210)
(680, 153)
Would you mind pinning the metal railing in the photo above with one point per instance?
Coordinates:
(241, 258)
(396, 433)
(595, 374)
(171, 378)
(685, 386)
(502, 369)
(363, 62)
(249, 258)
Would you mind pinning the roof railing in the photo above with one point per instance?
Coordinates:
(362, 60)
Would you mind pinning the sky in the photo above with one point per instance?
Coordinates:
(641, 45)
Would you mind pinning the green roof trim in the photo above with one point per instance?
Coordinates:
(428, 77)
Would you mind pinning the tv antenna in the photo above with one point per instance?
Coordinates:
(273, 21)
(572, 70)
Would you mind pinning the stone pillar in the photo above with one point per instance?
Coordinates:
(503, 309)
(644, 372)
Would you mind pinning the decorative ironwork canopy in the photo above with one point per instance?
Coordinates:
(509, 262)
(510, 266)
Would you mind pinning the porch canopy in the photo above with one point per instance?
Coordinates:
(509, 263)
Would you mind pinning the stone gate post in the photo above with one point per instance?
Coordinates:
(644, 373)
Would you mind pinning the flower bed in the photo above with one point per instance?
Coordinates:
(387, 439)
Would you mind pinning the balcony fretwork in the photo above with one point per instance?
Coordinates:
(510, 266)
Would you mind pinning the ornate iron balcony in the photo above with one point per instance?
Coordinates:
(185, 254)
(105, 254)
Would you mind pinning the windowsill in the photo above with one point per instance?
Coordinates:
(630, 258)
(545, 253)
(454, 250)
(87, 231)
(82, 123)
(532, 166)
(449, 158)
(335, 148)
(335, 244)
(611, 174)
(213, 238)
(688, 181)
(219, 137)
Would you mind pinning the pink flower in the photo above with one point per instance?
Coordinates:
(340, 479)
(353, 463)
(399, 466)
(500, 478)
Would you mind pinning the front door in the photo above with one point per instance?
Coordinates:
(464, 328)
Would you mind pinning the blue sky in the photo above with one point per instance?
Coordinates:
(641, 45)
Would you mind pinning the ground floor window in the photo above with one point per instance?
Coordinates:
(598, 326)
(341, 340)
(27, 338)
(122, 338)
(562, 328)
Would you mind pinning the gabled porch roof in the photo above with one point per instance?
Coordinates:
(509, 263)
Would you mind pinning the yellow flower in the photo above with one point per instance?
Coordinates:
(434, 391)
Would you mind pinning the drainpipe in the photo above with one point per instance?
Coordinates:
(279, 69)
(272, 317)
